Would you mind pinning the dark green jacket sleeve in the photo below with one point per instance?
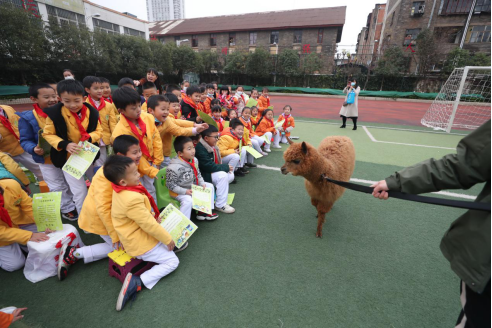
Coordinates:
(471, 165)
(206, 163)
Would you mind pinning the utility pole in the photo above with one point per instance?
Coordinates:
(472, 10)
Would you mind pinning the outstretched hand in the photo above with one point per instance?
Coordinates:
(380, 190)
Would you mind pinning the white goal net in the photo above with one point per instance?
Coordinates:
(463, 102)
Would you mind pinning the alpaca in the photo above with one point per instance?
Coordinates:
(334, 157)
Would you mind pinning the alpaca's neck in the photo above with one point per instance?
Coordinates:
(320, 165)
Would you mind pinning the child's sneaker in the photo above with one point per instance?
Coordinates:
(226, 209)
(65, 260)
(239, 173)
(268, 150)
(71, 216)
(177, 250)
(277, 146)
(244, 170)
(251, 165)
(206, 217)
(131, 286)
(264, 153)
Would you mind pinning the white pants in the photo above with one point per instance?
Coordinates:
(246, 157)
(269, 136)
(11, 256)
(78, 189)
(232, 160)
(257, 142)
(186, 203)
(103, 155)
(55, 180)
(221, 181)
(284, 139)
(26, 159)
(98, 251)
(165, 162)
(166, 261)
(276, 138)
(148, 183)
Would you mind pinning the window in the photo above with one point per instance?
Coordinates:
(320, 35)
(457, 7)
(274, 37)
(252, 38)
(213, 40)
(130, 31)
(417, 8)
(107, 27)
(177, 38)
(392, 18)
(194, 40)
(449, 34)
(65, 17)
(297, 36)
(410, 36)
(478, 34)
(232, 38)
(482, 5)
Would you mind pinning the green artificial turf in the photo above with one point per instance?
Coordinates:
(377, 265)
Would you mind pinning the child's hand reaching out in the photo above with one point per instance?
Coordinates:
(73, 148)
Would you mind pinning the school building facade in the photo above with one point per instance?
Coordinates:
(305, 31)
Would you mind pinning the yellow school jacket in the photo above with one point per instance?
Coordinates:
(9, 143)
(135, 225)
(108, 120)
(14, 168)
(73, 133)
(19, 206)
(172, 127)
(228, 143)
(144, 107)
(95, 216)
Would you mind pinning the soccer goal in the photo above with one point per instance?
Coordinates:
(463, 102)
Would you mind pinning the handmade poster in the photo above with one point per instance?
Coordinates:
(42, 143)
(177, 224)
(253, 152)
(207, 119)
(225, 124)
(78, 164)
(46, 211)
(201, 199)
(230, 199)
(267, 140)
(251, 102)
(279, 124)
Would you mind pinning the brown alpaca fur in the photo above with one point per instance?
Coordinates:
(335, 157)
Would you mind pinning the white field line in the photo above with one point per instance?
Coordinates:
(369, 182)
(400, 143)
(385, 128)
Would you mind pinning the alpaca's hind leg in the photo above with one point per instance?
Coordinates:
(314, 202)
(322, 211)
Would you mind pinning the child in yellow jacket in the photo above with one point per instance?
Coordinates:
(107, 117)
(230, 145)
(17, 225)
(96, 213)
(137, 227)
(142, 126)
(67, 123)
(288, 125)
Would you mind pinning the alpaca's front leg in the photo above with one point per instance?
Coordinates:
(321, 220)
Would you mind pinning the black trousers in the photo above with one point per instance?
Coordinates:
(475, 308)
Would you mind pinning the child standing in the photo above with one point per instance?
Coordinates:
(288, 125)
(142, 126)
(210, 96)
(189, 104)
(240, 99)
(107, 117)
(137, 228)
(106, 87)
(212, 168)
(96, 213)
(225, 98)
(30, 123)
(184, 171)
(256, 141)
(203, 97)
(127, 82)
(67, 123)
(266, 127)
(263, 101)
(148, 90)
(231, 143)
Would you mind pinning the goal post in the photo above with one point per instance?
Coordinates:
(463, 101)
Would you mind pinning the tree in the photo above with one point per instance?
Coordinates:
(184, 59)
(392, 63)
(427, 51)
(134, 55)
(106, 54)
(460, 58)
(311, 64)
(161, 57)
(258, 64)
(288, 63)
(235, 64)
(22, 44)
(209, 61)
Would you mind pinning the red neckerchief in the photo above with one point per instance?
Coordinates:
(235, 136)
(247, 124)
(6, 123)
(39, 111)
(101, 105)
(216, 158)
(83, 133)
(4, 214)
(140, 189)
(110, 99)
(190, 102)
(134, 129)
(221, 126)
(270, 121)
(286, 121)
(192, 164)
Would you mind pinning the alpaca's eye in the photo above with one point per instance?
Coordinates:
(296, 161)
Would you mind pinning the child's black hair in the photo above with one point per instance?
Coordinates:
(202, 89)
(104, 80)
(34, 89)
(154, 101)
(229, 113)
(245, 108)
(253, 107)
(235, 123)
(172, 87)
(125, 96)
(115, 167)
(148, 85)
(192, 89)
(264, 89)
(68, 70)
(207, 132)
(209, 86)
(88, 81)
(172, 98)
(239, 86)
(196, 137)
(71, 87)
(179, 143)
(264, 115)
(216, 108)
(125, 81)
(224, 88)
(215, 102)
(122, 144)
(253, 90)
(289, 107)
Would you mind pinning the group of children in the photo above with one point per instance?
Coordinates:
(135, 136)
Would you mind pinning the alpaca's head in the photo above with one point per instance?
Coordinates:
(297, 159)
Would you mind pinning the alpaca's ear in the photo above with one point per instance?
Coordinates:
(304, 148)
